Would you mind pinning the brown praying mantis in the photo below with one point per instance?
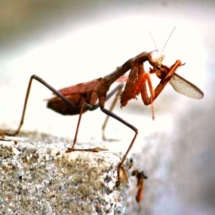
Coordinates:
(79, 98)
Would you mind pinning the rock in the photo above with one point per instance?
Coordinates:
(38, 177)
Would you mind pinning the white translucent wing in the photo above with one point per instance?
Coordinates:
(184, 87)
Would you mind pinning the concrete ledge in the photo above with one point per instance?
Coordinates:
(38, 177)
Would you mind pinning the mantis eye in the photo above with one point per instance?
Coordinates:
(155, 58)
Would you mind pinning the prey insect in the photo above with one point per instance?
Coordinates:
(140, 176)
(178, 83)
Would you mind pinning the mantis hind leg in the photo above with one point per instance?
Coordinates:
(35, 77)
(120, 169)
(118, 89)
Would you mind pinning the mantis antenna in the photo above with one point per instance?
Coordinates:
(153, 40)
(166, 41)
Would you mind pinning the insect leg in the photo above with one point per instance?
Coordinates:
(93, 107)
(144, 93)
(26, 100)
(83, 106)
(118, 89)
(111, 114)
(160, 88)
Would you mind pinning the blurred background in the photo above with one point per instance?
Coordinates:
(68, 42)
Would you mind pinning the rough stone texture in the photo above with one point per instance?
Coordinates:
(38, 177)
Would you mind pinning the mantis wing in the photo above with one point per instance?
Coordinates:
(184, 87)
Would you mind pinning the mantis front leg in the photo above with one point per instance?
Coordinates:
(136, 84)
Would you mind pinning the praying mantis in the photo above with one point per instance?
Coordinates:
(79, 98)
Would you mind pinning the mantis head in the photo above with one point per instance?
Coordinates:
(155, 58)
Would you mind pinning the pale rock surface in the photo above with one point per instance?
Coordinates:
(38, 177)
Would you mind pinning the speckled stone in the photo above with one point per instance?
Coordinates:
(38, 177)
